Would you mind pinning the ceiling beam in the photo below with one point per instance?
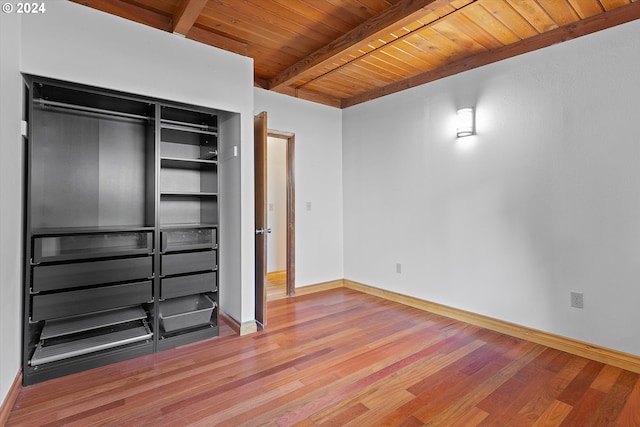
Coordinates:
(379, 25)
(311, 96)
(260, 82)
(186, 15)
(399, 39)
(571, 31)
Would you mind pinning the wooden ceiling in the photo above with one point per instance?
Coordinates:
(344, 52)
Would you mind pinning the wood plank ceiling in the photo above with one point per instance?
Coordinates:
(344, 52)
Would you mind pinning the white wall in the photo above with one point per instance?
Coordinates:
(277, 204)
(545, 199)
(318, 173)
(10, 202)
(76, 43)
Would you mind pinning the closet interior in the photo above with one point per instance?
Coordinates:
(121, 226)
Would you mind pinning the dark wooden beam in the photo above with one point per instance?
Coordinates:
(381, 24)
(590, 25)
(397, 40)
(131, 12)
(186, 15)
(310, 96)
(260, 82)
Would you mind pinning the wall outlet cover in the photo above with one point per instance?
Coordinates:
(577, 300)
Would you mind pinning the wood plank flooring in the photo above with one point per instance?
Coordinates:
(276, 283)
(338, 358)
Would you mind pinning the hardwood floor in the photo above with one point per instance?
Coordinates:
(341, 357)
(276, 285)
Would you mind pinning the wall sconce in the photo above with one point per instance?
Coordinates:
(466, 122)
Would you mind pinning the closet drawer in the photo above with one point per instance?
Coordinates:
(91, 245)
(189, 262)
(61, 276)
(71, 303)
(188, 285)
(188, 239)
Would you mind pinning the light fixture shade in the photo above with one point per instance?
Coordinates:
(466, 122)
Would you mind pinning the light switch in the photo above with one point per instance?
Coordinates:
(308, 206)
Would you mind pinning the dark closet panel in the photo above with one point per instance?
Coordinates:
(187, 285)
(64, 169)
(63, 304)
(188, 262)
(113, 181)
(122, 173)
(73, 275)
(176, 209)
(88, 171)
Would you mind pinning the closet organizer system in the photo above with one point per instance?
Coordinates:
(121, 227)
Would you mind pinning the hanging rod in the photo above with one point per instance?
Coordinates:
(45, 102)
(187, 128)
(195, 125)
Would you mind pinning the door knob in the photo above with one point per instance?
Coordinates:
(263, 231)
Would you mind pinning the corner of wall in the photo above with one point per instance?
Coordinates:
(11, 153)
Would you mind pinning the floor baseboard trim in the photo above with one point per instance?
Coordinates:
(233, 323)
(10, 399)
(244, 328)
(318, 287)
(249, 327)
(609, 356)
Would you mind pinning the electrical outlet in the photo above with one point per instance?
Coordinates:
(577, 300)
(399, 268)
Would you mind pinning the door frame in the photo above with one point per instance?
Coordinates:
(260, 214)
(290, 139)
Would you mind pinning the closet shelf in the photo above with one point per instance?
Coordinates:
(172, 226)
(86, 322)
(183, 163)
(53, 353)
(188, 194)
(56, 231)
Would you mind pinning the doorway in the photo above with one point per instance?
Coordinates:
(261, 134)
(281, 214)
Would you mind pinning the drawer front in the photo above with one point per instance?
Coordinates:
(62, 276)
(189, 262)
(93, 245)
(71, 303)
(189, 239)
(188, 285)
